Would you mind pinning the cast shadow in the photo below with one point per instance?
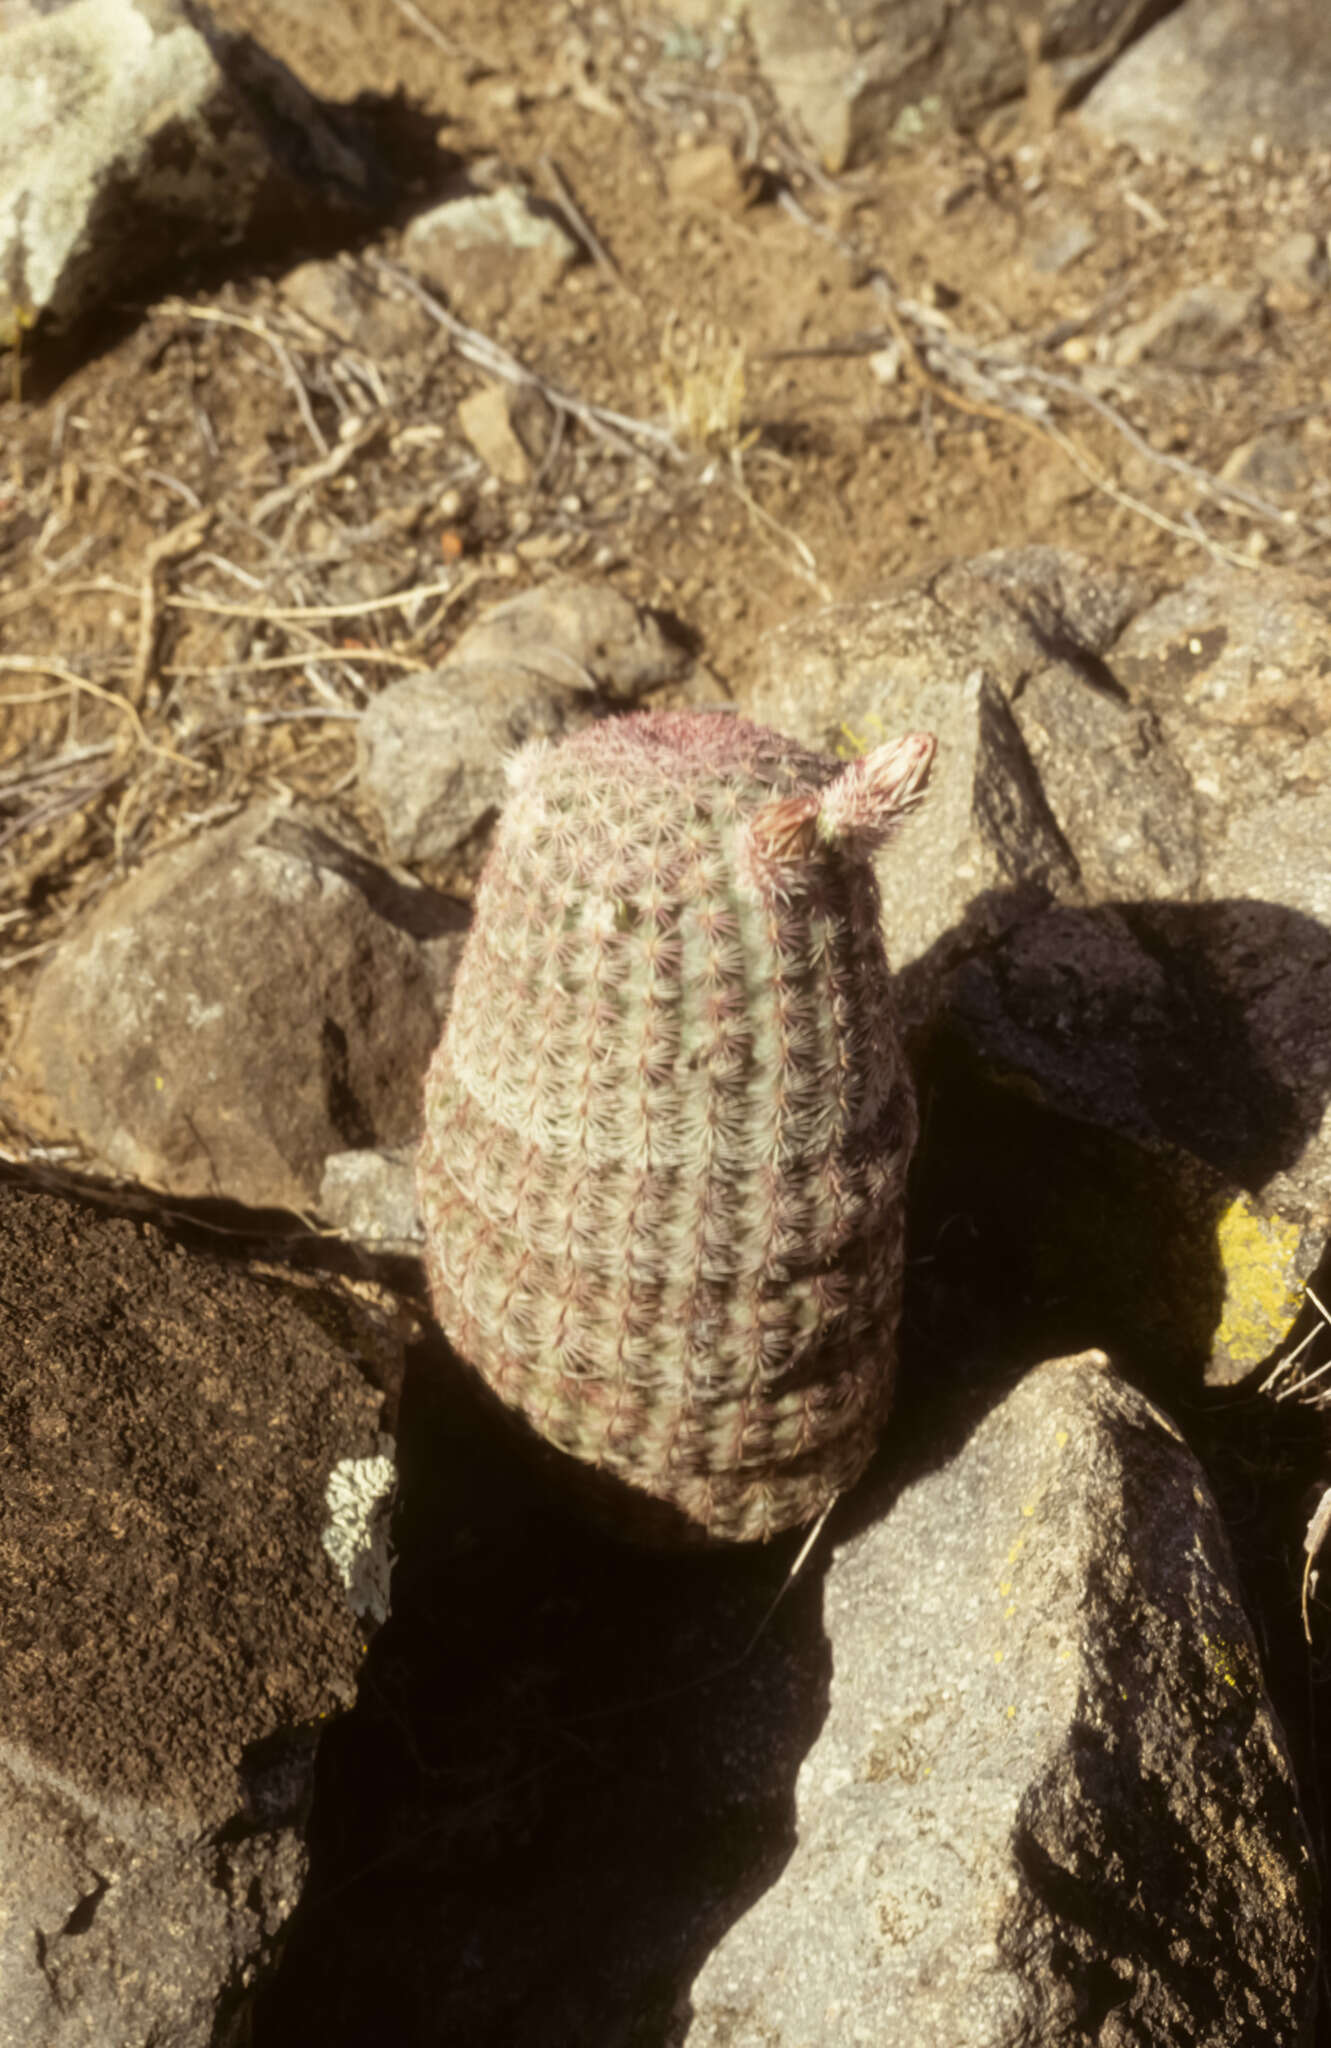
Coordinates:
(571, 1767)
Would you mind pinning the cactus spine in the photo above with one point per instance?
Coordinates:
(668, 1126)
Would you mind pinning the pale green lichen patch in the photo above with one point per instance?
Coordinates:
(1263, 1282)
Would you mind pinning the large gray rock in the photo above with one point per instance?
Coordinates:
(1115, 900)
(431, 748)
(858, 74)
(245, 1005)
(1217, 74)
(180, 1450)
(1050, 1801)
(133, 133)
(958, 652)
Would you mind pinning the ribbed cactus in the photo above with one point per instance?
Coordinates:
(668, 1127)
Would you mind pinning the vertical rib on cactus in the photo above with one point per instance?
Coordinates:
(667, 1129)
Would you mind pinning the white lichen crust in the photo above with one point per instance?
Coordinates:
(668, 1127)
(359, 1499)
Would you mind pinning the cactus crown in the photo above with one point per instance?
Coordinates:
(667, 1126)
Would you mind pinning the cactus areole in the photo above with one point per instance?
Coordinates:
(668, 1127)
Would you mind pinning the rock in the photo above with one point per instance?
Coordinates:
(1217, 75)
(245, 1005)
(371, 1196)
(431, 748)
(1058, 239)
(1299, 260)
(485, 249)
(1234, 669)
(952, 652)
(584, 635)
(134, 134)
(1193, 324)
(859, 76)
(709, 178)
(1272, 464)
(1119, 796)
(1050, 1792)
(1168, 1157)
(510, 430)
(356, 308)
(1115, 904)
(172, 1628)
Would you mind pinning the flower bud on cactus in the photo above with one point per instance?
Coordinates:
(668, 1127)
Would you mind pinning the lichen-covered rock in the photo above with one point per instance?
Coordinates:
(136, 132)
(668, 1126)
(1050, 1801)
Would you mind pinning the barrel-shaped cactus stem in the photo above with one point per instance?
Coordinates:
(668, 1126)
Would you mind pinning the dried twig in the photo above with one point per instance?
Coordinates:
(584, 228)
(454, 587)
(221, 317)
(422, 22)
(985, 383)
(168, 547)
(601, 420)
(40, 665)
(271, 661)
(330, 465)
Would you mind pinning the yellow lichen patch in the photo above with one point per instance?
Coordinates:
(1263, 1289)
(1231, 1662)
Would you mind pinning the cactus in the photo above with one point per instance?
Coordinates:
(668, 1126)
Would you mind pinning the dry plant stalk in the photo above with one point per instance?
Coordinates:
(701, 374)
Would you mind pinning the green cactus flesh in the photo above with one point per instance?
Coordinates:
(668, 1126)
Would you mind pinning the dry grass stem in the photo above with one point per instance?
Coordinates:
(329, 466)
(617, 429)
(601, 255)
(222, 317)
(35, 664)
(242, 667)
(701, 373)
(168, 547)
(454, 587)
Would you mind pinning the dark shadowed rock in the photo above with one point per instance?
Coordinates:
(1050, 1801)
(134, 133)
(1217, 74)
(245, 1005)
(569, 1768)
(1180, 1190)
(184, 1450)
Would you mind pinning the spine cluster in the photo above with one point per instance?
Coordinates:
(668, 1126)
